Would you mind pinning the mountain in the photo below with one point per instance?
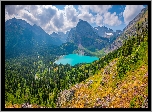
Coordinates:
(60, 35)
(56, 36)
(138, 24)
(85, 35)
(106, 32)
(103, 31)
(21, 37)
(63, 36)
(118, 79)
(71, 35)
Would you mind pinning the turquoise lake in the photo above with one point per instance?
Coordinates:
(73, 59)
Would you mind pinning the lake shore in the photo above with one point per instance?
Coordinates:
(73, 59)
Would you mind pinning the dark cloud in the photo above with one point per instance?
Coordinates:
(47, 15)
(58, 21)
(33, 9)
(10, 9)
(74, 19)
(71, 13)
(29, 18)
(14, 9)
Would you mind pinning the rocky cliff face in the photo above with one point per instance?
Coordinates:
(63, 36)
(134, 28)
(85, 35)
(71, 35)
(103, 31)
(21, 37)
(106, 32)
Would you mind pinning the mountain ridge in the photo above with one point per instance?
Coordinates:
(118, 79)
(21, 36)
(130, 29)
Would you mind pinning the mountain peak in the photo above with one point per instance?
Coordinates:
(54, 34)
(80, 20)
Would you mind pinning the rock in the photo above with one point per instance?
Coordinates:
(100, 106)
(113, 77)
(145, 103)
(65, 96)
(26, 105)
(98, 100)
(146, 74)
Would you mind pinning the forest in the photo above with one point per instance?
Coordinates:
(38, 80)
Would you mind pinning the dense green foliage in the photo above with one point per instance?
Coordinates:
(36, 79)
(22, 38)
(39, 80)
(131, 53)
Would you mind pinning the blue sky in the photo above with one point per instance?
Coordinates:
(61, 18)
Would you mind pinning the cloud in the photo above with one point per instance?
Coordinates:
(71, 13)
(95, 8)
(101, 9)
(101, 15)
(84, 12)
(87, 17)
(33, 14)
(83, 8)
(131, 11)
(29, 17)
(111, 19)
(58, 20)
(99, 20)
(47, 14)
(14, 9)
(52, 19)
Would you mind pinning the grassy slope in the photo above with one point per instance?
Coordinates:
(107, 90)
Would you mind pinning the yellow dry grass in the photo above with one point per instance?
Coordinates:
(134, 85)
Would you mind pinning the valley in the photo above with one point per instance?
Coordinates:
(86, 67)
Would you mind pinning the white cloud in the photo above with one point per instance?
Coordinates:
(131, 11)
(99, 20)
(42, 15)
(111, 19)
(87, 17)
(71, 13)
(85, 14)
(64, 19)
(14, 9)
(52, 19)
(83, 8)
(95, 8)
(100, 8)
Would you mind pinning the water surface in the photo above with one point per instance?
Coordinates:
(73, 59)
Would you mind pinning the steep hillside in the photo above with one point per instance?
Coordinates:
(60, 36)
(135, 27)
(63, 36)
(120, 79)
(91, 41)
(22, 38)
(106, 32)
(106, 90)
(85, 35)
